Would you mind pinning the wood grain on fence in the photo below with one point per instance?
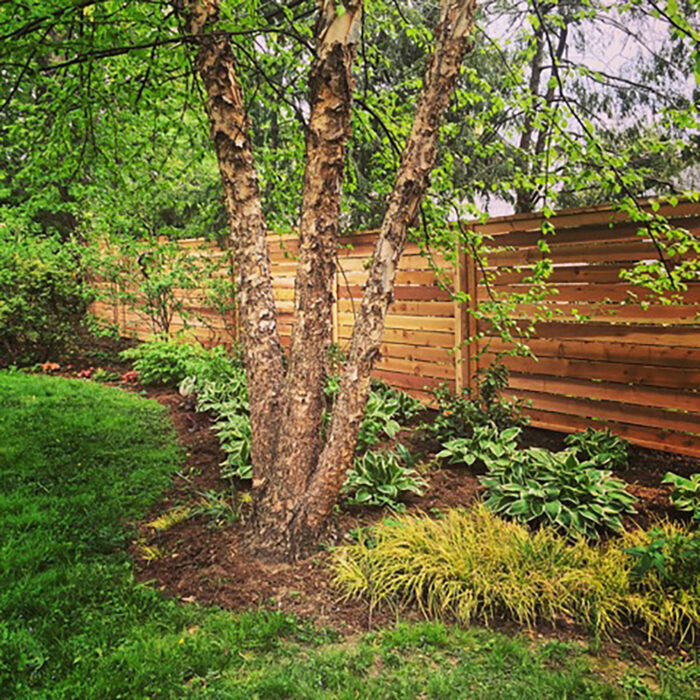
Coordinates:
(606, 353)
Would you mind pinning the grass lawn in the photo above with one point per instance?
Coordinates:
(78, 461)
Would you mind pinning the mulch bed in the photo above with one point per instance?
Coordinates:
(206, 562)
(209, 564)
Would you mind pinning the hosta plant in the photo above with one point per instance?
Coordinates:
(601, 446)
(380, 477)
(386, 409)
(233, 431)
(487, 444)
(380, 421)
(539, 486)
(406, 406)
(221, 389)
(686, 493)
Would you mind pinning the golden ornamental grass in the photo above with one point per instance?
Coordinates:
(471, 565)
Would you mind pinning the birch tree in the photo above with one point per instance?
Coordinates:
(297, 477)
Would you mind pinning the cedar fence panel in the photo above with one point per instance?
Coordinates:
(632, 365)
(606, 354)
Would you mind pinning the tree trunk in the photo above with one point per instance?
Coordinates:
(216, 65)
(330, 97)
(527, 197)
(309, 513)
(296, 480)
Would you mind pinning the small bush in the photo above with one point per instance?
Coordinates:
(379, 477)
(471, 565)
(168, 361)
(538, 486)
(601, 446)
(686, 493)
(458, 414)
(43, 300)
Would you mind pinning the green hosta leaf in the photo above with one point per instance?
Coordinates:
(552, 508)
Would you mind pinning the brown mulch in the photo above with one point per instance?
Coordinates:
(200, 560)
(205, 560)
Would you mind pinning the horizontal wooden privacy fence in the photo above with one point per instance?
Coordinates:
(606, 355)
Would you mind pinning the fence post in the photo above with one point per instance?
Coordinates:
(461, 321)
(335, 331)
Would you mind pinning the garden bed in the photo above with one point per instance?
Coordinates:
(202, 559)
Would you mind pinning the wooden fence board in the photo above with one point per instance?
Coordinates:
(634, 369)
(666, 356)
(644, 375)
(608, 391)
(669, 440)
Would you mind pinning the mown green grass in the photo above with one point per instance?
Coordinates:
(78, 461)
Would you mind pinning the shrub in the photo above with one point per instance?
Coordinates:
(379, 477)
(149, 276)
(471, 565)
(493, 447)
(43, 301)
(538, 486)
(686, 493)
(168, 361)
(601, 446)
(458, 414)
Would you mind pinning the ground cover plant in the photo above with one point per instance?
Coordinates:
(473, 566)
(167, 361)
(566, 489)
(602, 446)
(380, 477)
(540, 486)
(78, 461)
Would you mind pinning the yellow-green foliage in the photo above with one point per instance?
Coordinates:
(471, 565)
(170, 519)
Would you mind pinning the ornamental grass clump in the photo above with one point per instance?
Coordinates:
(473, 566)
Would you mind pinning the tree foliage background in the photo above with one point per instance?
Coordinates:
(103, 125)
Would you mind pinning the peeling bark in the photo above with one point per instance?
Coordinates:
(330, 96)
(216, 65)
(297, 480)
(310, 513)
